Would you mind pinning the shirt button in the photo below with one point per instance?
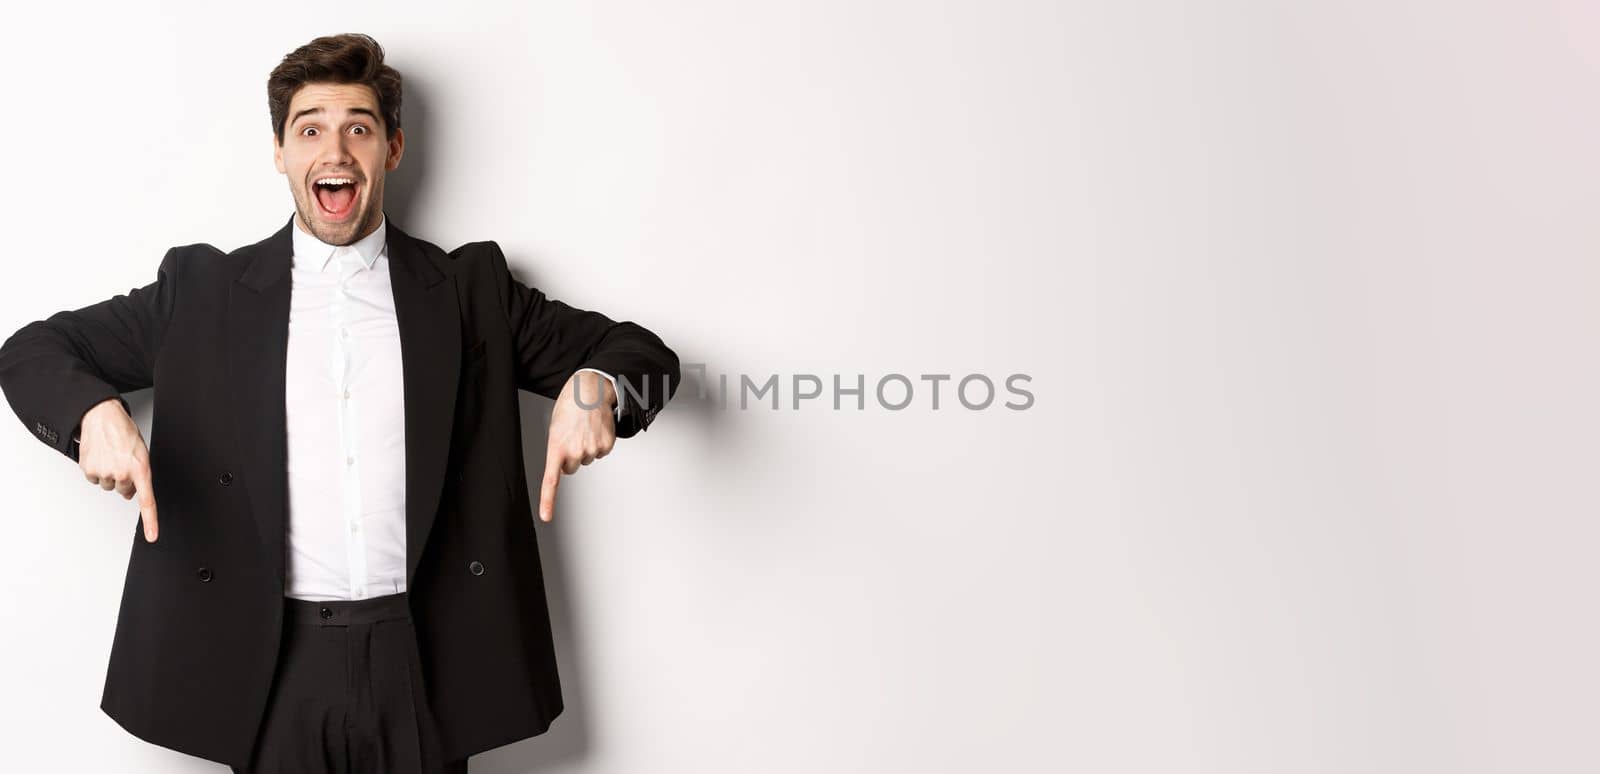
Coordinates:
(347, 395)
(349, 460)
(355, 527)
(225, 479)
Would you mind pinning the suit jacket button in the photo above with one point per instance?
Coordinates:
(325, 613)
(476, 567)
(205, 574)
(225, 479)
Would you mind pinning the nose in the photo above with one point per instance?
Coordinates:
(335, 152)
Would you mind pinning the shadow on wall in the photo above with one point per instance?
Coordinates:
(402, 188)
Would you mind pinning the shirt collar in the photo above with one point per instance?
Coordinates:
(314, 254)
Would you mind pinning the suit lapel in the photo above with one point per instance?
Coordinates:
(430, 343)
(257, 334)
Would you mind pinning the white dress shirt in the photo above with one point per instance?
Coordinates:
(345, 412)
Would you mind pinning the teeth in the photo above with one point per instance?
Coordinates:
(335, 181)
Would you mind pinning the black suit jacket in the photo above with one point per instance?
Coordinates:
(198, 633)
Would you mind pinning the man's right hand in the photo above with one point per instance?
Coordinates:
(112, 453)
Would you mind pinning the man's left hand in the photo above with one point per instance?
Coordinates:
(578, 435)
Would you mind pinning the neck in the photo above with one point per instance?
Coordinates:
(300, 223)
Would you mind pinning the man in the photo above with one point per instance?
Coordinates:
(344, 574)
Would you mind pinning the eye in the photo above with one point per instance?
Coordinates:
(307, 129)
(361, 127)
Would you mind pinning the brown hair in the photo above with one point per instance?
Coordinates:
(348, 58)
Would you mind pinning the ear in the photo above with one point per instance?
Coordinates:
(397, 147)
(277, 155)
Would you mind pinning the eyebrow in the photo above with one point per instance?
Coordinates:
(315, 110)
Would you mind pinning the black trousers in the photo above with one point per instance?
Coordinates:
(348, 697)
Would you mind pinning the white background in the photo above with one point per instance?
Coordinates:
(1307, 295)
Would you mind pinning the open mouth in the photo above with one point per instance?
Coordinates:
(336, 196)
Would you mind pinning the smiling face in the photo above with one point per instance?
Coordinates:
(335, 154)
